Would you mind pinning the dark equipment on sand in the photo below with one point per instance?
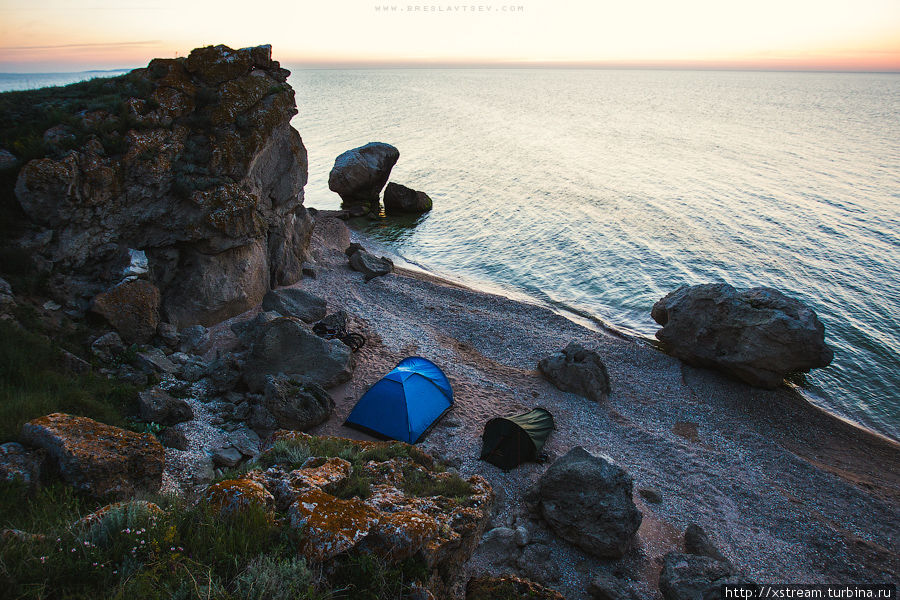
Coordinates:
(404, 404)
(335, 326)
(507, 442)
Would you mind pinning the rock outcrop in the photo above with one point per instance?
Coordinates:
(399, 199)
(98, 459)
(578, 370)
(205, 179)
(758, 335)
(384, 498)
(359, 175)
(587, 501)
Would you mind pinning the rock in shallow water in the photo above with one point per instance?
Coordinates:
(401, 199)
(359, 174)
(758, 335)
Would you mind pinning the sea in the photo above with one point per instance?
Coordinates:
(597, 192)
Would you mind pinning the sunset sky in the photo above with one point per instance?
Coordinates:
(71, 35)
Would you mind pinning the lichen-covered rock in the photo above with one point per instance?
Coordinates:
(359, 174)
(99, 459)
(408, 509)
(331, 526)
(399, 199)
(132, 307)
(235, 496)
(287, 346)
(578, 370)
(758, 335)
(209, 184)
(508, 587)
(587, 501)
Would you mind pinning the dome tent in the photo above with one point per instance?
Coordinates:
(405, 403)
(509, 441)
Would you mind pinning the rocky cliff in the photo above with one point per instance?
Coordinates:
(194, 181)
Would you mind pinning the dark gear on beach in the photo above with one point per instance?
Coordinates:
(335, 326)
(507, 442)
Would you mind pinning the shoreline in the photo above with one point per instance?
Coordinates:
(788, 492)
(586, 320)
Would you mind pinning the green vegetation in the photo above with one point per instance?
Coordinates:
(188, 551)
(34, 383)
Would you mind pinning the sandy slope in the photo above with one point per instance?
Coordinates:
(789, 494)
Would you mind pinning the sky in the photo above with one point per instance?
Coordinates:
(74, 35)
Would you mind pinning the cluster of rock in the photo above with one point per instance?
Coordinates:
(200, 214)
(391, 522)
(359, 175)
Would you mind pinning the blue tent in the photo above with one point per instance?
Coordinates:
(405, 403)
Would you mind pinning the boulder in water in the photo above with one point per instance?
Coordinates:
(757, 335)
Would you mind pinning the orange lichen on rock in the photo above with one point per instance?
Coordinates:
(234, 496)
(96, 458)
(330, 525)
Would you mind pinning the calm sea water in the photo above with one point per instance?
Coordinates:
(599, 191)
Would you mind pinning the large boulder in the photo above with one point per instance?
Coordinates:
(359, 174)
(587, 501)
(407, 509)
(286, 345)
(295, 404)
(205, 176)
(578, 370)
(295, 302)
(96, 458)
(757, 335)
(399, 199)
(132, 307)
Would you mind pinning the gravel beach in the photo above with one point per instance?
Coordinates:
(789, 493)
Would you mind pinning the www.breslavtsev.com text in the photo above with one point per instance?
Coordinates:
(450, 8)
